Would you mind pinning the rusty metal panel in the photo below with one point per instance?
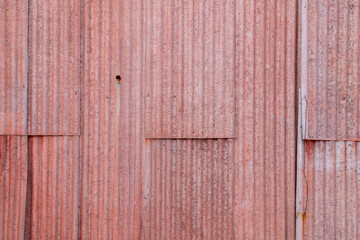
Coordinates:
(55, 187)
(189, 69)
(13, 67)
(13, 176)
(54, 67)
(266, 126)
(329, 69)
(332, 199)
(188, 189)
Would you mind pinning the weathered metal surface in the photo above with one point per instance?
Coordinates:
(55, 187)
(13, 175)
(330, 75)
(188, 189)
(54, 67)
(105, 198)
(332, 202)
(13, 67)
(189, 71)
(266, 126)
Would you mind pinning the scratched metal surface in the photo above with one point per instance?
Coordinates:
(13, 67)
(13, 177)
(55, 187)
(54, 67)
(330, 76)
(190, 69)
(332, 199)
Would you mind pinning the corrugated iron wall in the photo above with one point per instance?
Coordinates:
(13, 67)
(328, 199)
(13, 177)
(176, 120)
(330, 69)
(265, 145)
(54, 67)
(332, 180)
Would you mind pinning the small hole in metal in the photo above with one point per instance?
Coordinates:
(118, 78)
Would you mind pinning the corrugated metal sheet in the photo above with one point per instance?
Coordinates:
(55, 187)
(332, 170)
(54, 67)
(189, 69)
(266, 126)
(188, 189)
(13, 67)
(102, 171)
(330, 69)
(13, 175)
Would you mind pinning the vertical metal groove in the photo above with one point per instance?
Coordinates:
(13, 82)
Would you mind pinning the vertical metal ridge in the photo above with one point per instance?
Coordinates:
(13, 82)
(329, 78)
(100, 166)
(198, 46)
(13, 175)
(188, 196)
(265, 145)
(55, 187)
(332, 170)
(54, 80)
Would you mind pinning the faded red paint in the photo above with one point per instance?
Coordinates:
(55, 187)
(330, 77)
(13, 67)
(332, 171)
(54, 67)
(13, 176)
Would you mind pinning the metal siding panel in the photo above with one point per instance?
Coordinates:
(266, 143)
(332, 201)
(55, 187)
(13, 177)
(13, 67)
(112, 136)
(54, 67)
(329, 70)
(188, 189)
(190, 69)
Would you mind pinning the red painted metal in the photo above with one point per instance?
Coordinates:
(54, 67)
(13, 176)
(13, 67)
(330, 76)
(55, 187)
(332, 201)
(190, 69)
(104, 197)
(265, 141)
(188, 189)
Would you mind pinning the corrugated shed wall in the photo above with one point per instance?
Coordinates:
(55, 187)
(190, 69)
(188, 190)
(330, 85)
(13, 67)
(54, 67)
(265, 144)
(332, 170)
(13, 176)
(330, 74)
(100, 171)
